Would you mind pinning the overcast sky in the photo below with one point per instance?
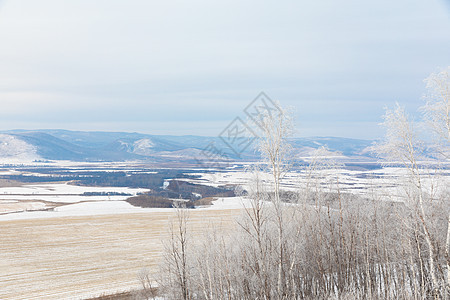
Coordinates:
(191, 67)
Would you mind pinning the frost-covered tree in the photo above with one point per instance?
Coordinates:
(437, 116)
(176, 278)
(402, 145)
(437, 109)
(276, 152)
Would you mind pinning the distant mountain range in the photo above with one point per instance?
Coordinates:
(23, 145)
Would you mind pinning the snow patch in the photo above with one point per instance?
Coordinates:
(143, 147)
(93, 207)
(14, 150)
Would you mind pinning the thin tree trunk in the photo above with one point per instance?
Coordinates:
(447, 258)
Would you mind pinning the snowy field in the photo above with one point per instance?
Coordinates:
(29, 197)
(98, 208)
(81, 257)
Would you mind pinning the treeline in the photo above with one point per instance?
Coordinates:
(188, 190)
(189, 194)
(106, 194)
(122, 179)
(101, 178)
(341, 247)
(155, 201)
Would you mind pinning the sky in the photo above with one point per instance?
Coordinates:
(191, 67)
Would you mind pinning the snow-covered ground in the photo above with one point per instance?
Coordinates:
(96, 208)
(31, 197)
(60, 198)
(64, 189)
(64, 199)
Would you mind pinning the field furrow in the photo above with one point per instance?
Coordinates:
(78, 257)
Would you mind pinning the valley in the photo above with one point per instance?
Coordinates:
(78, 229)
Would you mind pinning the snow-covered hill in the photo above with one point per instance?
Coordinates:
(15, 150)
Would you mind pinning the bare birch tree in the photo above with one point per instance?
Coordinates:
(177, 278)
(437, 115)
(402, 145)
(276, 151)
(437, 109)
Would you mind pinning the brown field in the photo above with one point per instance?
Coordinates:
(78, 257)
